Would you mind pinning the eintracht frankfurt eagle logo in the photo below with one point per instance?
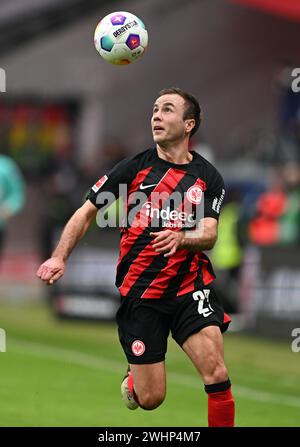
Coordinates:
(138, 348)
(194, 194)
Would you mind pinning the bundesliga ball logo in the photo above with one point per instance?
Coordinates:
(121, 38)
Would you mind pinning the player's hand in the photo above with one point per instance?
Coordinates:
(167, 241)
(51, 270)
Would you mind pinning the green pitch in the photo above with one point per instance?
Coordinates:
(62, 373)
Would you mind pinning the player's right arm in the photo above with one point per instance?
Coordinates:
(52, 269)
(121, 173)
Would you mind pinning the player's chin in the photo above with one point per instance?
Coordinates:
(158, 138)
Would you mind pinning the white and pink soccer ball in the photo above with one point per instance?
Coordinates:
(121, 38)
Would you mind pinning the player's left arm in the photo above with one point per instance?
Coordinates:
(204, 238)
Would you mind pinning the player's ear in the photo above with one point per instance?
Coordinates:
(189, 125)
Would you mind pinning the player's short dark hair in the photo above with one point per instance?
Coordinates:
(192, 107)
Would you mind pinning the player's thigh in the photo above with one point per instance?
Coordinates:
(205, 349)
(196, 327)
(143, 327)
(149, 379)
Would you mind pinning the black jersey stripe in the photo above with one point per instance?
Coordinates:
(143, 238)
(125, 262)
(141, 176)
(140, 219)
(147, 276)
(175, 281)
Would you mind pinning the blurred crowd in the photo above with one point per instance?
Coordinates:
(270, 213)
(264, 212)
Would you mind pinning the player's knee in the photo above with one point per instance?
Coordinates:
(151, 400)
(216, 375)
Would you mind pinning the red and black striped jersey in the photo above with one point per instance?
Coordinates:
(158, 195)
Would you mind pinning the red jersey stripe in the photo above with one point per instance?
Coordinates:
(137, 267)
(188, 283)
(166, 185)
(132, 189)
(206, 275)
(160, 283)
(226, 319)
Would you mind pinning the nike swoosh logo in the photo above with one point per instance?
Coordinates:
(146, 186)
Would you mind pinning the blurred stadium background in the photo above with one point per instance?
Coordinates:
(66, 118)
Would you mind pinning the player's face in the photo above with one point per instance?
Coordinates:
(168, 125)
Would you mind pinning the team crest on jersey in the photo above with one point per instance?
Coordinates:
(138, 348)
(194, 194)
(100, 183)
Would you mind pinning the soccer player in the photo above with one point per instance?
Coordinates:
(163, 275)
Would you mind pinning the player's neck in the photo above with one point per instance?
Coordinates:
(176, 154)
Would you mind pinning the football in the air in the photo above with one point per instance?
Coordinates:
(121, 38)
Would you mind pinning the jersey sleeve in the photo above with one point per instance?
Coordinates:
(113, 184)
(214, 195)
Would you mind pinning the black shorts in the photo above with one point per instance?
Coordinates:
(144, 324)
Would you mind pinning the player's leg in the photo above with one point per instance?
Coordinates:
(143, 332)
(196, 328)
(205, 349)
(148, 384)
